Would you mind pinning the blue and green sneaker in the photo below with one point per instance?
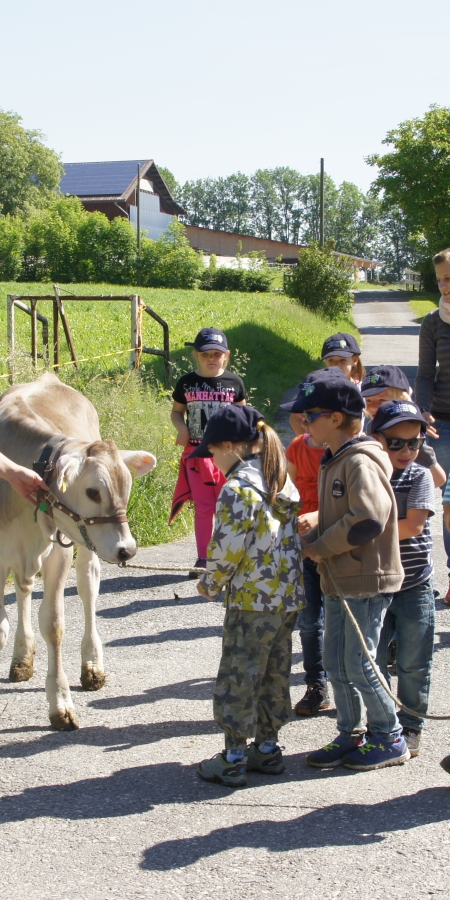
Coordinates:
(333, 753)
(217, 769)
(377, 753)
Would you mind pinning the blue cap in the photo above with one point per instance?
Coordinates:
(328, 389)
(210, 339)
(395, 411)
(231, 423)
(340, 344)
(382, 377)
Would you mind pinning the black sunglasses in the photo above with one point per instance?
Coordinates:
(398, 443)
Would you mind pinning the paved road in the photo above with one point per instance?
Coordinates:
(115, 810)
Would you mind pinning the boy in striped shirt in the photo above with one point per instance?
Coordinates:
(400, 428)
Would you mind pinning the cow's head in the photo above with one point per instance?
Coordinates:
(95, 480)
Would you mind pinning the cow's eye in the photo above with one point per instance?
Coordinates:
(94, 495)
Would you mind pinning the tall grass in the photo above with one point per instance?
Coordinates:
(274, 343)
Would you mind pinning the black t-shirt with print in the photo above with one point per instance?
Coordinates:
(204, 396)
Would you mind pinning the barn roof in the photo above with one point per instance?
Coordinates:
(115, 179)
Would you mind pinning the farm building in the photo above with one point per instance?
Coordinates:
(111, 188)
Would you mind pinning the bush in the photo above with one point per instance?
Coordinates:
(321, 282)
(11, 246)
(170, 261)
(244, 280)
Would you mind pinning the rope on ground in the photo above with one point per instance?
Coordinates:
(376, 670)
(126, 565)
(74, 362)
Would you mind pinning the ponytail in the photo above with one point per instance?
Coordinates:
(273, 460)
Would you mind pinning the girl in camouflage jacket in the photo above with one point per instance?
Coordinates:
(255, 555)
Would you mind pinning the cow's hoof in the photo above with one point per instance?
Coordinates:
(92, 679)
(67, 721)
(21, 671)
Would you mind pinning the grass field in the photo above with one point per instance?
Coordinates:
(423, 303)
(273, 342)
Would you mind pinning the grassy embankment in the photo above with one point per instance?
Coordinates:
(423, 303)
(273, 341)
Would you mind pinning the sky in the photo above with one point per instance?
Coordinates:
(207, 89)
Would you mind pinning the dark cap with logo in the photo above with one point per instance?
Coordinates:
(340, 344)
(382, 377)
(328, 389)
(210, 339)
(231, 423)
(393, 412)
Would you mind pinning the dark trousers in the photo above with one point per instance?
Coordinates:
(310, 623)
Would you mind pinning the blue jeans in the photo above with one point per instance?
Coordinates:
(441, 448)
(411, 614)
(310, 623)
(355, 685)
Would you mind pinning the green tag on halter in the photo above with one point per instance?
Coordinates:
(43, 506)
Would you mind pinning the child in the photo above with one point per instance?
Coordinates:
(304, 457)
(356, 546)
(196, 397)
(255, 555)
(389, 383)
(342, 350)
(400, 428)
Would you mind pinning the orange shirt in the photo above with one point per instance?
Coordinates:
(307, 463)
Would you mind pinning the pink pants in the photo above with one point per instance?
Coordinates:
(205, 499)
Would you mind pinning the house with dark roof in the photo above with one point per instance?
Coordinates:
(111, 188)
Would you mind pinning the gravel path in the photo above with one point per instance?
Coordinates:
(115, 810)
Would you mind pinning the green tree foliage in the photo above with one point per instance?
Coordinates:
(321, 282)
(171, 181)
(170, 261)
(30, 172)
(414, 177)
(226, 279)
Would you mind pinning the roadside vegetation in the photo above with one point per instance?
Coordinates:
(273, 342)
(423, 302)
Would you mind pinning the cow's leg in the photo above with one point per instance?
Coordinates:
(22, 663)
(4, 621)
(51, 622)
(88, 579)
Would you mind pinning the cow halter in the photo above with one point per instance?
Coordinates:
(47, 501)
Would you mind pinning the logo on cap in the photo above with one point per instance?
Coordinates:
(374, 379)
(217, 338)
(342, 343)
(308, 389)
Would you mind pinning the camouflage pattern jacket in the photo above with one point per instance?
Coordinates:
(255, 549)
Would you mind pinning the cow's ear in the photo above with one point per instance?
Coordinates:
(139, 462)
(67, 468)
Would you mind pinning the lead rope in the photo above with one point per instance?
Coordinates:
(372, 662)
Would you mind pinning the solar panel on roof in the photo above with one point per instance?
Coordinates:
(96, 179)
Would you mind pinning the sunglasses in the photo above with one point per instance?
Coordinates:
(311, 417)
(398, 443)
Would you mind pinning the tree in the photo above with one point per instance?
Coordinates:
(395, 247)
(415, 176)
(170, 261)
(30, 172)
(11, 247)
(170, 181)
(264, 204)
(309, 197)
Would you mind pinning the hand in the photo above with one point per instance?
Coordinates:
(308, 550)
(25, 482)
(202, 592)
(446, 508)
(431, 431)
(307, 521)
(182, 436)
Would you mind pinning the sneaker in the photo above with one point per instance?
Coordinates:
(377, 753)
(217, 769)
(316, 697)
(200, 564)
(269, 763)
(447, 596)
(412, 739)
(332, 754)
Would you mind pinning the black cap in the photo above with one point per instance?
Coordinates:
(210, 339)
(340, 344)
(231, 423)
(395, 411)
(328, 389)
(381, 377)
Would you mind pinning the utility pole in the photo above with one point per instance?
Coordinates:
(138, 205)
(321, 208)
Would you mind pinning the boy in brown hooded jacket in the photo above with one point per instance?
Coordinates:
(356, 547)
